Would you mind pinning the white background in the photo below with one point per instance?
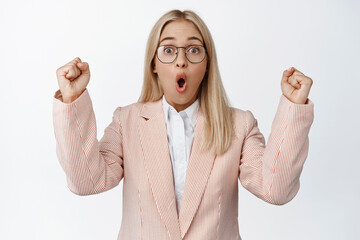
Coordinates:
(255, 42)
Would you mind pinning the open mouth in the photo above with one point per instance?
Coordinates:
(181, 82)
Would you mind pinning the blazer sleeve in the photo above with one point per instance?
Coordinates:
(272, 172)
(90, 166)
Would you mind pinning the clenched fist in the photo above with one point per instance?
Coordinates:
(73, 78)
(296, 86)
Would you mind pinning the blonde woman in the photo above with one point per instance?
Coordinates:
(181, 148)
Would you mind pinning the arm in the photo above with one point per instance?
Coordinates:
(90, 166)
(272, 172)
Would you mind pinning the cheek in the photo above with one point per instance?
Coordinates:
(200, 72)
(162, 70)
(163, 75)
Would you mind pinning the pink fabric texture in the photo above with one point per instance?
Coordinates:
(134, 148)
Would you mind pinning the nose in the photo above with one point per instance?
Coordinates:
(181, 60)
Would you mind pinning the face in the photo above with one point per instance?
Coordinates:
(180, 33)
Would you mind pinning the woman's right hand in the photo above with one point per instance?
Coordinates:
(73, 78)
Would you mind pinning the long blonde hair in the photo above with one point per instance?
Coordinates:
(212, 97)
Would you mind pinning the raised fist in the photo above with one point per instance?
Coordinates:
(73, 78)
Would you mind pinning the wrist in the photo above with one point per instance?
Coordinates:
(69, 99)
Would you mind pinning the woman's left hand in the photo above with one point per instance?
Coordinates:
(295, 85)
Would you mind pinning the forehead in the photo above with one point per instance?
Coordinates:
(179, 30)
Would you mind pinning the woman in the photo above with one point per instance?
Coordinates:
(181, 148)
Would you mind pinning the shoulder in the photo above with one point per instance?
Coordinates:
(242, 120)
(128, 111)
(139, 109)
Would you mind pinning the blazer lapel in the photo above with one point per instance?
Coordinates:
(198, 171)
(154, 144)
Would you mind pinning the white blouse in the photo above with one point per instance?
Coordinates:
(180, 127)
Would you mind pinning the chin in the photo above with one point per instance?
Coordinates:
(183, 99)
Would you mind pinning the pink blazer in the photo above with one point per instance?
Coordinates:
(135, 148)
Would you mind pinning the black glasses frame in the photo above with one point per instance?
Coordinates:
(177, 51)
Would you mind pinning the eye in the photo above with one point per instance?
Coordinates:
(168, 50)
(194, 50)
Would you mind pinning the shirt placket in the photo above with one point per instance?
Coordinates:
(179, 154)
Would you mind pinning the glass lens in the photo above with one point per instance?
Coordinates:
(167, 53)
(195, 53)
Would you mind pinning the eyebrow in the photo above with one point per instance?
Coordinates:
(190, 38)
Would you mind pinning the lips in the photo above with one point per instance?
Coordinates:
(180, 82)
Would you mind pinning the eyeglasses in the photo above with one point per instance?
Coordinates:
(193, 53)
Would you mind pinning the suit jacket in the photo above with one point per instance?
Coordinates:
(135, 148)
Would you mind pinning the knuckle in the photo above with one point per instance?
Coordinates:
(60, 70)
(72, 63)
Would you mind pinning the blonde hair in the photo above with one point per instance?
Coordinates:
(212, 97)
